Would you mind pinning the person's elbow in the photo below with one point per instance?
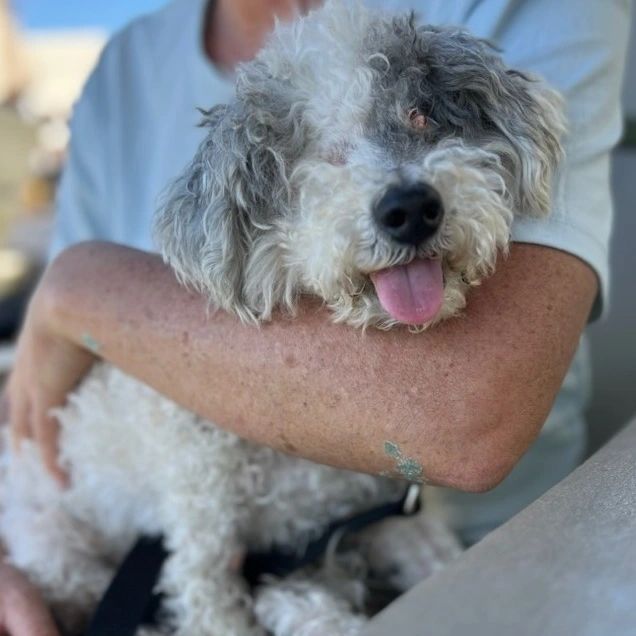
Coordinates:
(483, 447)
(484, 473)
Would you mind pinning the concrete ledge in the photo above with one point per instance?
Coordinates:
(566, 565)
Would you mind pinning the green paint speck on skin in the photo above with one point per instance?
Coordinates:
(407, 467)
(392, 450)
(90, 343)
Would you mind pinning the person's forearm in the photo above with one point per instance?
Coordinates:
(446, 405)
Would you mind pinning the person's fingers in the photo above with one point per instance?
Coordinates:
(47, 430)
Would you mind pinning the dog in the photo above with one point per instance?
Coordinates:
(368, 161)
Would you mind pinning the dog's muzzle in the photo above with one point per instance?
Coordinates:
(411, 292)
(409, 214)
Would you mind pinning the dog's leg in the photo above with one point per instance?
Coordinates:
(201, 516)
(203, 596)
(305, 608)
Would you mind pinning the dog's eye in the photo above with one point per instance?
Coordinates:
(417, 119)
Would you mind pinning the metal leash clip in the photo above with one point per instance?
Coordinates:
(412, 502)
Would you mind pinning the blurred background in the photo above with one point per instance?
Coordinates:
(613, 340)
(47, 49)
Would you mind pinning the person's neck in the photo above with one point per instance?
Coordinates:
(235, 31)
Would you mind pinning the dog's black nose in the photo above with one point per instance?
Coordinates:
(410, 214)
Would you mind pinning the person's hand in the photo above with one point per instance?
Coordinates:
(22, 610)
(47, 367)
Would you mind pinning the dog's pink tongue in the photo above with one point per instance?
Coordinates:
(411, 293)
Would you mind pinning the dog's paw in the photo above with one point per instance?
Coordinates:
(301, 608)
(403, 551)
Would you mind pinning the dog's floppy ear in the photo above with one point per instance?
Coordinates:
(530, 115)
(230, 195)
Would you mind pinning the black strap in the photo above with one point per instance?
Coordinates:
(130, 600)
(281, 563)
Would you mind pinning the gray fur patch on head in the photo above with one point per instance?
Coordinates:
(465, 91)
(339, 106)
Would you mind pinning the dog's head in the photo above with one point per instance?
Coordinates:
(369, 161)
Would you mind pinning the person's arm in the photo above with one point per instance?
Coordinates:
(461, 402)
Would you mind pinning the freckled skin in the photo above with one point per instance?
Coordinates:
(290, 361)
(488, 378)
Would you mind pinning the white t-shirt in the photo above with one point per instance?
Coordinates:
(135, 128)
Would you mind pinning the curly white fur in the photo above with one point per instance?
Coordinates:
(277, 203)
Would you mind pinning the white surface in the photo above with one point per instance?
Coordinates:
(565, 566)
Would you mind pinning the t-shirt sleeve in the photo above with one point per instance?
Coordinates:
(580, 49)
(81, 199)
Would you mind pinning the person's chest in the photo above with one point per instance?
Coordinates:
(156, 136)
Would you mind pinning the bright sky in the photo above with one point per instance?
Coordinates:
(107, 15)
